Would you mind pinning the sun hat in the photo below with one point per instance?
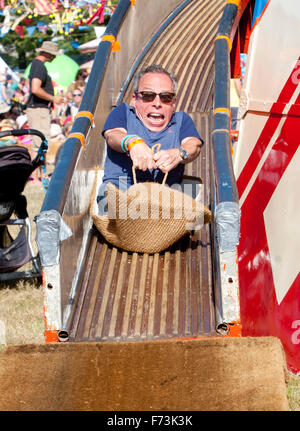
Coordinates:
(49, 47)
(21, 120)
(55, 130)
(8, 123)
(4, 107)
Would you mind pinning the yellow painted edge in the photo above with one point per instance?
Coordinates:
(108, 38)
(236, 2)
(228, 40)
(222, 111)
(79, 136)
(84, 114)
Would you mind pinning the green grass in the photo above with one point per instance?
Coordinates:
(21, 313)
(21, 302)
(293, 392)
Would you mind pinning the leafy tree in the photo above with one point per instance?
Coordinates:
(19, 52)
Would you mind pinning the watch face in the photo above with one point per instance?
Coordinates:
(184, 154)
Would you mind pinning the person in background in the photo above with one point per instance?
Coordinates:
(56, 141)
(5, 98)
(22, 92)
(75, 85)
(80, 81)
(23, 85)
(9, 86)
(67, 127)
(24, 140)
(76, 97)
(6, 125)
(82, 76)
(22, 122)
(41, 95)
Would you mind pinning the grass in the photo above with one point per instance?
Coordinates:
(293, 391)
(21, 306)
(21, 302)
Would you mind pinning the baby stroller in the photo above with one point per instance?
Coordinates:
(16, 167)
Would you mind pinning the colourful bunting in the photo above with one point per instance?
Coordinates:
(20, 30)
(31, 30)
(64, 14)
(18, 20)
(6, 23)
(42, 27)
(42, 7)
(99, 13)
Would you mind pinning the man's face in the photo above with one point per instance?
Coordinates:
(155, 115)
(50, 57)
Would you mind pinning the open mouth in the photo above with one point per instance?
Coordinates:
(156, 117)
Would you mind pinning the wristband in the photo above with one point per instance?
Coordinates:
(129, 141)
(134, 142)
(124, 142)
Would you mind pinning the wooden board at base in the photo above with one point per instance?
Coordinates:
(234, 374)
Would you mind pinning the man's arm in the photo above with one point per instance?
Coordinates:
(193, 146)
(37, 90)
(114, 138)
(166, 160)
(140, 154)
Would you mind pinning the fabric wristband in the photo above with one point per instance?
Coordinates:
(134, 142)
(124, 142)
(129, 141)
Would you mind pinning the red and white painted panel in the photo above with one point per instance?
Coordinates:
(267, 167)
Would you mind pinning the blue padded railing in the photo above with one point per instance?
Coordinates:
(226, 194)
(60, 181)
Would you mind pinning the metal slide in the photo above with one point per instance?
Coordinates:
(96, 292)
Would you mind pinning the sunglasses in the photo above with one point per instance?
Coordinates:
(149, 96)
(76, 94)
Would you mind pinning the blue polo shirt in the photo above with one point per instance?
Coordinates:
(119, 165)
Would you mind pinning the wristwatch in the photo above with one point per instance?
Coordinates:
(183, 153)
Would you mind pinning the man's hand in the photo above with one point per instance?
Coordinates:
(142, 157)
(166, 160)
(37, 90)
(59, 99)
(140, 154)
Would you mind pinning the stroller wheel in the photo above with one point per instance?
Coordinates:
(6, 209)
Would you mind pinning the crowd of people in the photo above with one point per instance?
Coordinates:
(19, 103)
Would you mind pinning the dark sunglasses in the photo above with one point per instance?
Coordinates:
(76, 94)
(149, 96)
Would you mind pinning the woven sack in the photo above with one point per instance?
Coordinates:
(147, 217)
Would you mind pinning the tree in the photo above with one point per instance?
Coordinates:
(21, 49)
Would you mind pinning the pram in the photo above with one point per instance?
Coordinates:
(16, 167)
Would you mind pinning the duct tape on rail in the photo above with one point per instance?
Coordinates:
(50, 231)
(227, 217)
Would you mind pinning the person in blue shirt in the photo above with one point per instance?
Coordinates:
(131, 132)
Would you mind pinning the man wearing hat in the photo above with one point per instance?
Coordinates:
(41, 96)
